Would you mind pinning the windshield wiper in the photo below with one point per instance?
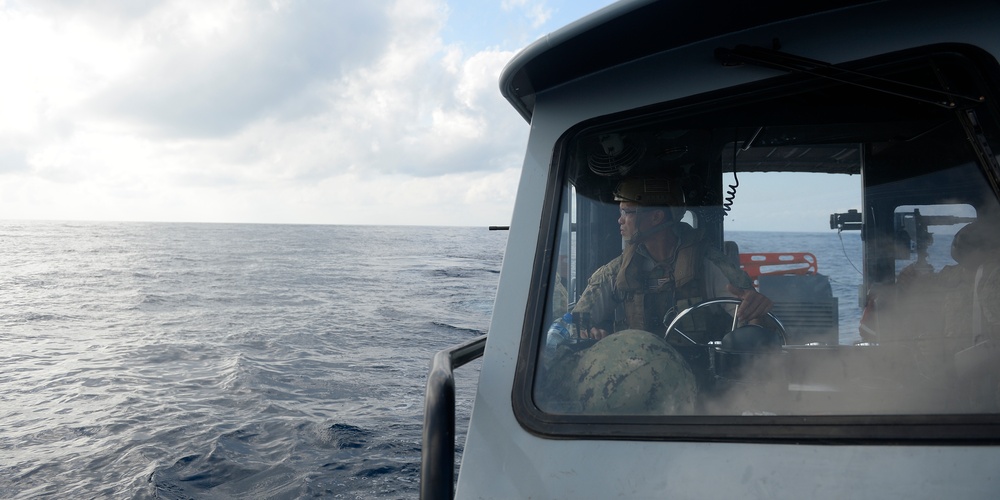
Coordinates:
(770, 58)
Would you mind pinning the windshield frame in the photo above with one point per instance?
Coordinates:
(868, 428)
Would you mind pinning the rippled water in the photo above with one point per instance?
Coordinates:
(215, 361)
(248, 361)
(838, 256)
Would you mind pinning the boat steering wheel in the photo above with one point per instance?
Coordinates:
(780, 329)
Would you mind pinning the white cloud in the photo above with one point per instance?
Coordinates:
(536, 11)
(286, 111)
(213, 71)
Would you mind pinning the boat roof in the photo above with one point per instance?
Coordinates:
(629, 30)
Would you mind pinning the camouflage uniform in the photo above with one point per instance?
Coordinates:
(634, 371)
(971, 342)
(560, 297)
(989, 293)
(986, 383)
(950, 321)
(630, 373)
(654, 289)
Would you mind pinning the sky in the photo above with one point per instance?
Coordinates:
(280, 111)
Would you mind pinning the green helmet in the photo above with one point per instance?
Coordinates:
(650, 192)
(632, 372)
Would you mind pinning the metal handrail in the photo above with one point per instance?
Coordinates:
(437, 455)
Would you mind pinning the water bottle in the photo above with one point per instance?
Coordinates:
(560, 331)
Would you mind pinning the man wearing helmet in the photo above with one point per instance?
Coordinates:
(665, 267)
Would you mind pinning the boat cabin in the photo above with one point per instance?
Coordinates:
(838, 158)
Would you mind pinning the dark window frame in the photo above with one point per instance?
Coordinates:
(826, 429)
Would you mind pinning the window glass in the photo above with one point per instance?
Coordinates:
(793, 253)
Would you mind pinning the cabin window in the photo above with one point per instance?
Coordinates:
(925, 234)
(866, 222)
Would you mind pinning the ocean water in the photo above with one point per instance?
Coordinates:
(838, 257)
(247, 361)
(224, 361)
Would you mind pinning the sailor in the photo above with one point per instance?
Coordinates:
(971, 287)
(951, 319)
(666, 266)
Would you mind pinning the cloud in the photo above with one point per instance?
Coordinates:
(281, 111)
(450, 120)
(536, 12)
(216, 67)
(12, 160)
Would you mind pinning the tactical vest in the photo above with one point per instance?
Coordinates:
(654, 296)
(669, 288)
(634, 292)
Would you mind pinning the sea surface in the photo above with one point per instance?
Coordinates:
(228, 361)
(155, 360)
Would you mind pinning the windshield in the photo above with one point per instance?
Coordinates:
(813, 248)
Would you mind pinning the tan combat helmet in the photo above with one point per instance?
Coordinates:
(654, 191)
(650, 191)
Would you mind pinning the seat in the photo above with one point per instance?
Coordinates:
(805, 305)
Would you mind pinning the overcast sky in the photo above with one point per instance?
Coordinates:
(332, 112)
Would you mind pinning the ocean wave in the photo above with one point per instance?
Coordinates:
(228, 361)
(453, 328)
